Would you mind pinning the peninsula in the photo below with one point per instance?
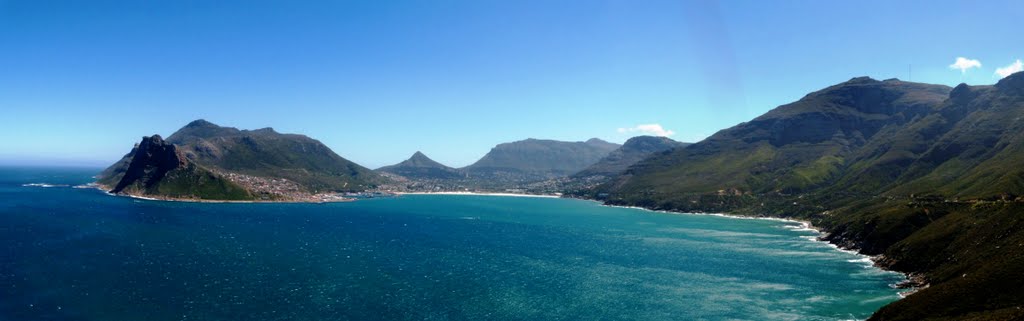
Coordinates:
(206, 162)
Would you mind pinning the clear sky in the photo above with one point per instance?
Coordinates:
(81, 81)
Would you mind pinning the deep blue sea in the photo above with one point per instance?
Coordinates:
(78, 254)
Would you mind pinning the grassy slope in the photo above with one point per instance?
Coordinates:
(266, 153)
(192, 182)
(208, 149)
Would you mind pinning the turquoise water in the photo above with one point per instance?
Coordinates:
(78, 254)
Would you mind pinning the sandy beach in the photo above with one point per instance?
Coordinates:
(478, 194)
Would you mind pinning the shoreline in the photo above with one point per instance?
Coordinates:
(911, 282)
(106, 190)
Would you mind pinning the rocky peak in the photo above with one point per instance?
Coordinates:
(962, 93)
(1013, 84)
(152, 160)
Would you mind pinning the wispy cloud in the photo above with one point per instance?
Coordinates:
(648, 129)
(1015, 67)
(963, 64)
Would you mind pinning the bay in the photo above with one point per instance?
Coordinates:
(78, 254)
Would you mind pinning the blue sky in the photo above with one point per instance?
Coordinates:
(81, 81)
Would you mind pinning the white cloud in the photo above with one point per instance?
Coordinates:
(963, 64)
(1017, 66)
(648, 129)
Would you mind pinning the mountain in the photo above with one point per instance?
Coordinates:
(791, 148)
(537, 159)
(269, 165)
(159, 168)
(419, 166)
(632, 151)
(925, 176)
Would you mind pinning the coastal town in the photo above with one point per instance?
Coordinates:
(273, 189)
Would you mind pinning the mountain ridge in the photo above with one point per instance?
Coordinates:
(539, 159)
(632, 151)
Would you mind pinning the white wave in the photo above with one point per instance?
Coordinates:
(872, 300)
(803, 227)
(718, 233)
(43, 185)
(138, 197)
(861, 260)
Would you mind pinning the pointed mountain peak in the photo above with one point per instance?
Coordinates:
(200, 123)
(418, 159)
(421, 166)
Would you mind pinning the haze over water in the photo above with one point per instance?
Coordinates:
(78, 254)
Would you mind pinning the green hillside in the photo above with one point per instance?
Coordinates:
(927, 176)
(266, 153)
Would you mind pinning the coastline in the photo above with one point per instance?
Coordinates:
(106, 190)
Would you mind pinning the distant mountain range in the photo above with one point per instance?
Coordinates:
(206, 161)
(419, 166)
(929, 177)
(538, 159)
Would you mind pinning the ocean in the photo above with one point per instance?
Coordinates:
(79, 254)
